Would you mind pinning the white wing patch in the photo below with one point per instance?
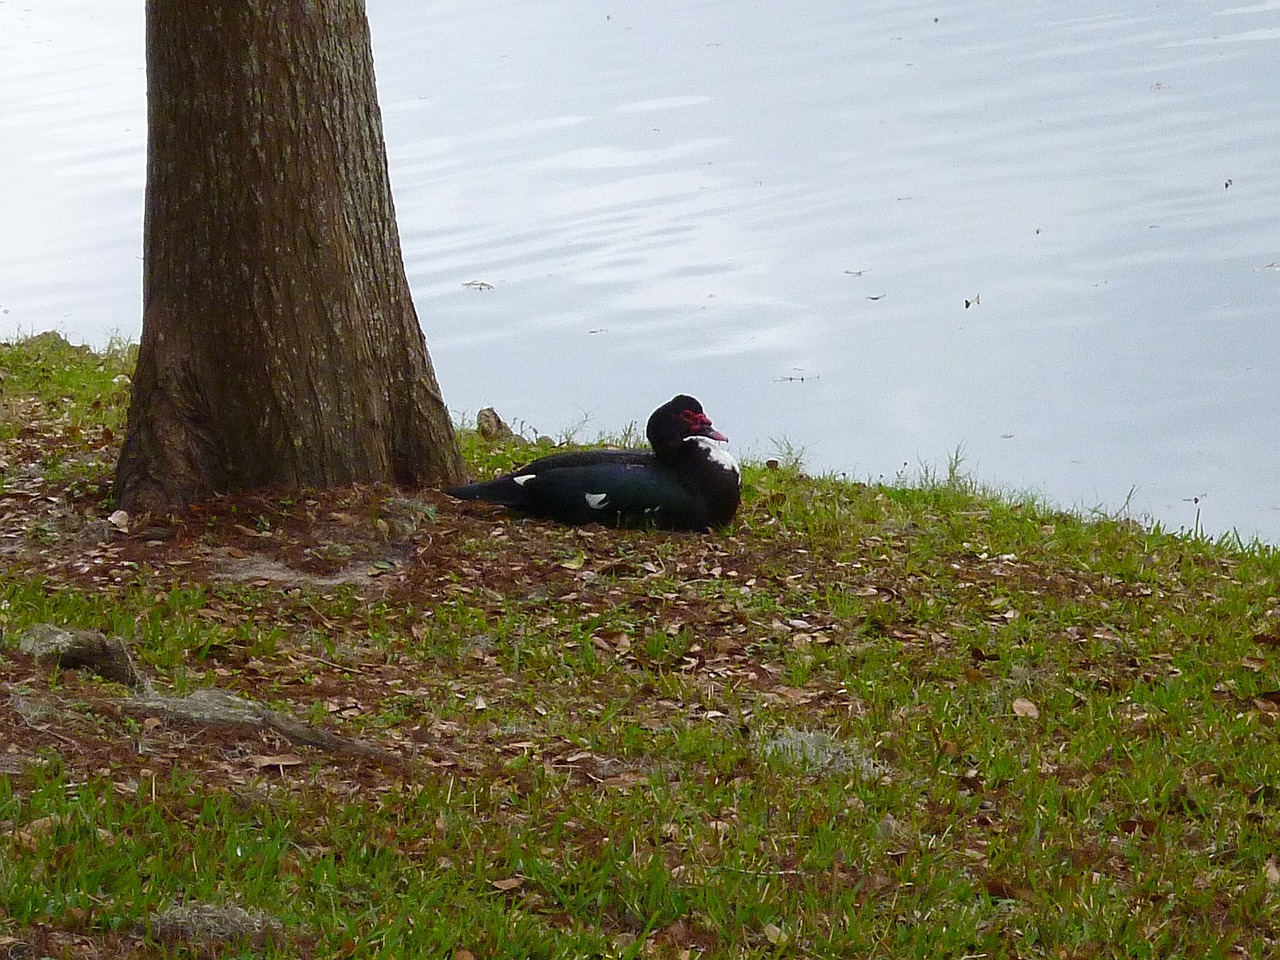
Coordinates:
(597, 501)
(522, 480)
(716, 454)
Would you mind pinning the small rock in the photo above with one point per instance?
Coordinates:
(81, 649)
(218, 923)
(96, 530)
(815, 751)
(403, 516)
(889, 828)
(208, 705)
(491, 426)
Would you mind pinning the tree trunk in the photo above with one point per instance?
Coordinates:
(280, 346)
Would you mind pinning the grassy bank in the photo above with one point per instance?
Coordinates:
(866, 721)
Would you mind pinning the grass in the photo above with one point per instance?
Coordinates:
(921, 719)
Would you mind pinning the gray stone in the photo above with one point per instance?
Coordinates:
(208, 922)
(81, 650)
(491, 426)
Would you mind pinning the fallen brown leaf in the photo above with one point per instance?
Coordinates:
(1268, 638)
(281, 760)
(999, 888)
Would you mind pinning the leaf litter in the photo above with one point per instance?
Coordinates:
(464, 644)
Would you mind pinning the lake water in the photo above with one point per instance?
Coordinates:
(783, 209)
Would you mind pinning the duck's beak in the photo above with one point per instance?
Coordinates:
(707, 431)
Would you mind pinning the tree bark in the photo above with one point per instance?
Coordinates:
(280, 345)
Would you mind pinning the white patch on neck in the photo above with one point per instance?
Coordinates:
(596, 501)
(522, 480)
(717, 454)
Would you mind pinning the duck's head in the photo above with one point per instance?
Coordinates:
(676, 421)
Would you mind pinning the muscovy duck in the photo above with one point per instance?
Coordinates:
(686, 483)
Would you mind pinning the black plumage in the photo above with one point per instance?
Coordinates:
(686, 482)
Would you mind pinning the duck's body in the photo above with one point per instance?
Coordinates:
(687, 482)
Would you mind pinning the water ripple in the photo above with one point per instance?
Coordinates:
(786, 215)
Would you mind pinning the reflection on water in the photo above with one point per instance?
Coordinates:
(784, 216)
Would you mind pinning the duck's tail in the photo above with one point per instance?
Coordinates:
(504, 491)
